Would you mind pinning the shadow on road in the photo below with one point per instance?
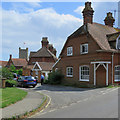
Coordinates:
(60, 88)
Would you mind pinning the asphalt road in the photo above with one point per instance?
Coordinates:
(69, 102)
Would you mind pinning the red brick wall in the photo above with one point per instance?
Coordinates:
(77, 60)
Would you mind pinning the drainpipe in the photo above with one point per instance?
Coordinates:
(112, 66)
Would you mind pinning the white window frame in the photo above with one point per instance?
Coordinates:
(67, 72)
(81, 48)
(117, 42)
(69, 49)
(116, 80)
(87, 80)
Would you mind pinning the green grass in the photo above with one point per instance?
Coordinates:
(113, 86)
(10, 96)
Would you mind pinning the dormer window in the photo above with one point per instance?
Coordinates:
(69, 51)
(84, 48)
(118, 43)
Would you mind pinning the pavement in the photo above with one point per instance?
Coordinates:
(30, 102)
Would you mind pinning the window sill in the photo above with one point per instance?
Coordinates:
(69, 55)
(69, 76)
(116, 80)
(84, 80)
(84, 53)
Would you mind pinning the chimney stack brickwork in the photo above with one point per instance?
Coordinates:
(88, 13)
(109, 20)
(45, 42)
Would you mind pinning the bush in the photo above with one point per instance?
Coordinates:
(10, 83)
(55, 77)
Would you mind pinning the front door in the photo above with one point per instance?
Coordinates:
(101, 76)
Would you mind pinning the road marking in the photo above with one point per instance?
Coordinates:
(45, 106)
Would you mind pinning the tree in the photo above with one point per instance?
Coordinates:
(13, 69)
(5, 72)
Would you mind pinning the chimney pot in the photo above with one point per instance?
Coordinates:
(109, 20)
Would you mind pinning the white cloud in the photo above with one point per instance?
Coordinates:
(79, 9)
(31, 27)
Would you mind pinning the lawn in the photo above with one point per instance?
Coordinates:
(10, 96)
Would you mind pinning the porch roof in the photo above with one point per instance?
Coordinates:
(102, 62)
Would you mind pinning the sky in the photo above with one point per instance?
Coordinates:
(28, 22)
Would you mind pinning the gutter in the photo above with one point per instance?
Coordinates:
(112, 66)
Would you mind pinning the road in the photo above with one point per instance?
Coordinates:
(69, 102)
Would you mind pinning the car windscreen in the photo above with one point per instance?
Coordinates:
(29, 78)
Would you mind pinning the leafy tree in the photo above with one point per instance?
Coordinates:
(5, 72)
(13, 69)
(19, 72)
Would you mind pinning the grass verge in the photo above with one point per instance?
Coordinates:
(10, 96)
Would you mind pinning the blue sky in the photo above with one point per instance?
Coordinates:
(30, 21)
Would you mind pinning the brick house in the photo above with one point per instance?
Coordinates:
(17, 62)
(41, 62)
(91, 55)
(45, 54)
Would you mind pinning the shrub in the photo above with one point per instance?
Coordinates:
(10, 83)
(55, 77)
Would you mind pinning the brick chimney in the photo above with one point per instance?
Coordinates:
(44, 42)
(109, 20)
(88, 13)
(54, 51)
(50, 47)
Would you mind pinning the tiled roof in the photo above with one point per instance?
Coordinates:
(99, 33)
(31, 54)
(46, 66)
(113, 37)
(29, 67)
(19, 62)
(43, 52)
(3, 63)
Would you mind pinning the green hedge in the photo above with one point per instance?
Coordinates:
(55, 77)
(10, 83)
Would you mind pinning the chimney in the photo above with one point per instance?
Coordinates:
(88, 13)
(54, 51)
(50, 47)
(44, 42)
(10, 56)
(109, 20)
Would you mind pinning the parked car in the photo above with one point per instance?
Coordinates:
(25, 81)
(15, 77)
